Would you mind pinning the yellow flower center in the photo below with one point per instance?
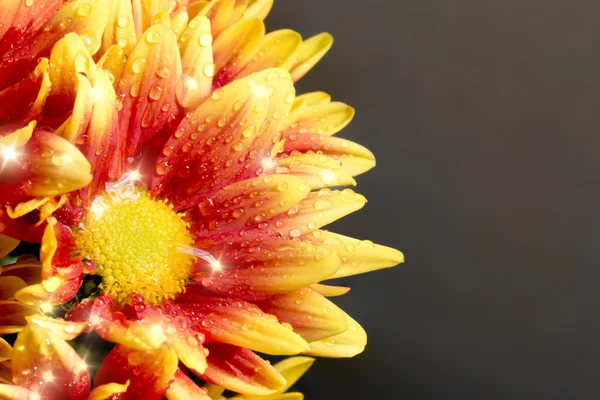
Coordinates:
(136, 244)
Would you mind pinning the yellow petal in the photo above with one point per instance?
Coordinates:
(323, 119)
(357, 256)
(5, 350)
(235, 47)
(330, 291)
(26, 207)
(258, 9)
(276, 49)
(344, 345)
(292, 369)
(310, 52)
(12, 316)
(65, 330)
(107, 391)
(319, 170)
(13, 392)
(195, 45)
(120, 28)
(179, 22)
(9, 285)
(7, 244)
(114, 61)
(145, 11)
(314, 98)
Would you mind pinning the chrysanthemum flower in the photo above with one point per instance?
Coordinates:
(178, 186)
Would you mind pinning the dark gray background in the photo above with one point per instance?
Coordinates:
(484, 117)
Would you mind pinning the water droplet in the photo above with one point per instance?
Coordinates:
(134, 90)
(289, 98)
(83, 10)
(248, 131)
(122, 42)
(282, 186)
(217, 94)
(153, 36)
(162, 168)
(163, 72)
(205, 39)
(123, 22)
(322, 205)
(209, 70)
(28, 3)
(238, 146)
(295, 233)
(246, 327)
(139, 65)
(156, 92)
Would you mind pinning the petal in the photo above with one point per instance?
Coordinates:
(316, 210)
(310, 52)
(358, 256)
(179, 22)
(57, 166)
(221, 15)
(224, 139)
(319, 170)
(258, 9)
(241, 370)
(323, 119)
(66, 330)
(46, 364)
(144, 13)
(27, 271)
(52, 291)
(7, 244)
(277, 49)
(108, 391)
(266, 267)
(146, 90)
(113, 61)
(12, 392)
(5, 350)
(330, 291)
(311, 315)
(149, 373)
(23, 101)
(195, 46)
(85, 17)
(245, 204)
(344, 345)
(242, 324)
(183, 388)
(9, 285)
(355, 158)
(12, 316)
(292, 369)
(120, 27)
(235, 47)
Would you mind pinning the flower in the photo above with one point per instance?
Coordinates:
(178, 186)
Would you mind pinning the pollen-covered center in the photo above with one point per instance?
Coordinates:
(135, 243)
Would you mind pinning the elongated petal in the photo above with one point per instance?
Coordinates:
(266, 267)
(29, 272)
(46, 364)
(183, 388)
(319, 170)
(316, 210)
(258, 9)
(12, 316)
(357, 256)
(311, 315)
(241, 370)
(5, 350)
(224, 139)
(23, 101)
(292, 369)
(276, 49)
(145, 13)
(195, 45)
(120, 27)
(323, 119)
(235, 47)
(9, 285)
(12, 392)
(66, 330)
(246, 204)
(355, 158)
(7, 244)
(346, 344)
(309, 54)
(330, 291)
(108, 391)
(149, 373)
(242, 324)
(146, 91)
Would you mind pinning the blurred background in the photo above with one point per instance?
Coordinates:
(484, 117)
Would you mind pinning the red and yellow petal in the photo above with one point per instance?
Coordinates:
(224, 139)
(311, 315)
(242, 324)
(255, 268)
(241, 370)
(183, 388)
(149, 372)
(109, 391)
(120, 28)
(46, 364)
(146, 90)
(357, 256)
(324, 119)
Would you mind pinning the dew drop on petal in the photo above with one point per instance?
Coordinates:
(123, 22)
(153, 37)
(205, 39)
(209, 70)
(83, 10)
(138, 65)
